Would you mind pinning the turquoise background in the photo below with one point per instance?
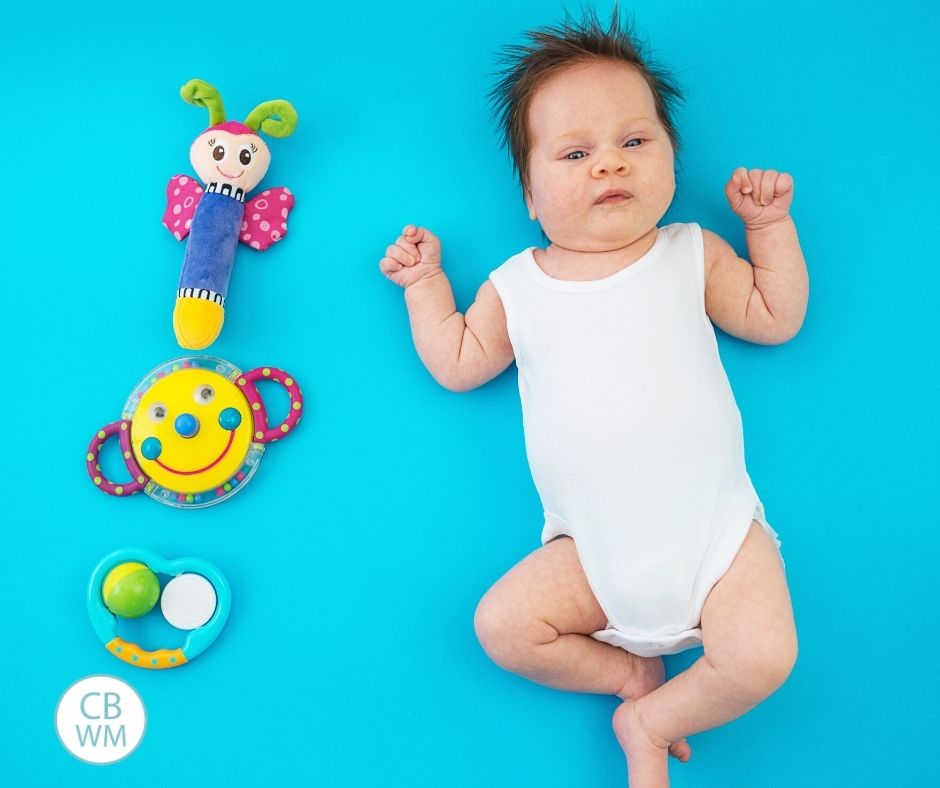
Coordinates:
(358, 553)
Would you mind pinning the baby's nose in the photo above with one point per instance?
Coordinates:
(609, 161)
(186, 425)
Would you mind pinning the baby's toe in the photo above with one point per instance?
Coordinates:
(680, 750)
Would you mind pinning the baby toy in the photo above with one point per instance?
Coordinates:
(125, 584)
(193, 431)
(130, 590)
(231, 159)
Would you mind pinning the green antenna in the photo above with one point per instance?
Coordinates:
(202, 94)
(277, 118)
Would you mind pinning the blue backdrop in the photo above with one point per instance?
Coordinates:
(358, 553)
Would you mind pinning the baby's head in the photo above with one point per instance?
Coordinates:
(588, 122)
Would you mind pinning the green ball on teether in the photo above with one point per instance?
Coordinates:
(130, 590)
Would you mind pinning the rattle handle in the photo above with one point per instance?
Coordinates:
(213, 238)
(134, 655)
(138, 478)
(263, 433)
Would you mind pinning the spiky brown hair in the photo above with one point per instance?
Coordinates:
(548, 50)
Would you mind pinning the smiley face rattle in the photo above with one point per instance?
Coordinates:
(193, 431)
(125, 585)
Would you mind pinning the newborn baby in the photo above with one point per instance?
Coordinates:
(654, 538)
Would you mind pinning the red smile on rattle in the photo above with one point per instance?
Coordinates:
(216, 461)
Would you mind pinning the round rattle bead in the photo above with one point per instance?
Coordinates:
(130, 590)
(186, 425)
(188, 601)
(230, 418)
(151, 448)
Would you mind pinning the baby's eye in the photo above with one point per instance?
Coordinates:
(633, 143)
(575, 155)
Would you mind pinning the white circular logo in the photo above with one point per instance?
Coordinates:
(100, 719)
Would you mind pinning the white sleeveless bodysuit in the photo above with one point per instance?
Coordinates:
(632, 433)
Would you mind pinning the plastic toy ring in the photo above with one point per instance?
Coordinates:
(193, 431)
(124, 584)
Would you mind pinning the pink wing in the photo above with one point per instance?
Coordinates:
(182, 197)
(265, 221)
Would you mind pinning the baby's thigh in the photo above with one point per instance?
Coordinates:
(547, 589)
(747, 621)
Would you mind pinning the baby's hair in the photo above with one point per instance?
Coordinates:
(526, 67)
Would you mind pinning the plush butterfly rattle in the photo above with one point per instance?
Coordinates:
(230, 158)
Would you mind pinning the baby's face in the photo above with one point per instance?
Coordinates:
(601, 165)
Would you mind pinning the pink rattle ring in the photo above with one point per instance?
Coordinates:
(193, 431)
(263, 432)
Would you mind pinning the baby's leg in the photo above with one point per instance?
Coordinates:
(749, 639)
(536, 621)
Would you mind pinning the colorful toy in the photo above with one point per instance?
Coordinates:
(193, 431)
(197, 599)
(231, 159)
(130, 590)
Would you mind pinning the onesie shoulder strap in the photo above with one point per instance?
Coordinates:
(511, 281)
(697, 253)
(511, 278)
(686, 248)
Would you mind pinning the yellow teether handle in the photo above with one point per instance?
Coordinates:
(134, 655)
(197, 322)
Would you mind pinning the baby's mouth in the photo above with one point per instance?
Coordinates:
(613, 197)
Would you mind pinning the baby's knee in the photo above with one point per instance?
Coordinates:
(492, 623)
(506, 633)
(761, 670)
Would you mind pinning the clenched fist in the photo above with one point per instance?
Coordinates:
(415, 254)
(760, 197)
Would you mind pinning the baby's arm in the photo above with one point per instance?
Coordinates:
(461, 352)
(765, 300)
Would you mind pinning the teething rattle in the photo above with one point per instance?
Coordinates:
(193, 431)
(125, 585)
(231, 159)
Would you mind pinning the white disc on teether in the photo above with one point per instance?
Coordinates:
(188, 601)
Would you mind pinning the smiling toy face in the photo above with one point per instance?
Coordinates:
(219, 156)
(191, 430)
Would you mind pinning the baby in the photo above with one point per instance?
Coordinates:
(654, 537)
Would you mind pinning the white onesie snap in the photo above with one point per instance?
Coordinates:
(633, 436)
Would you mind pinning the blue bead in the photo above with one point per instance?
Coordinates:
(230, 418)
(151, 448)
(186, 425)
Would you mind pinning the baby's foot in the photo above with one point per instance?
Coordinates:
(647, 764)
(648, 674)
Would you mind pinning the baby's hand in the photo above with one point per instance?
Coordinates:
(415, 254)
(760, 197)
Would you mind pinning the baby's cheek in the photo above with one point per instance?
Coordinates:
(567, 210)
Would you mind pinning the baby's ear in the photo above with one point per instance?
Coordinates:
(529, 205)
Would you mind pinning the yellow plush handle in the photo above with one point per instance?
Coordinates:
(133, 654)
